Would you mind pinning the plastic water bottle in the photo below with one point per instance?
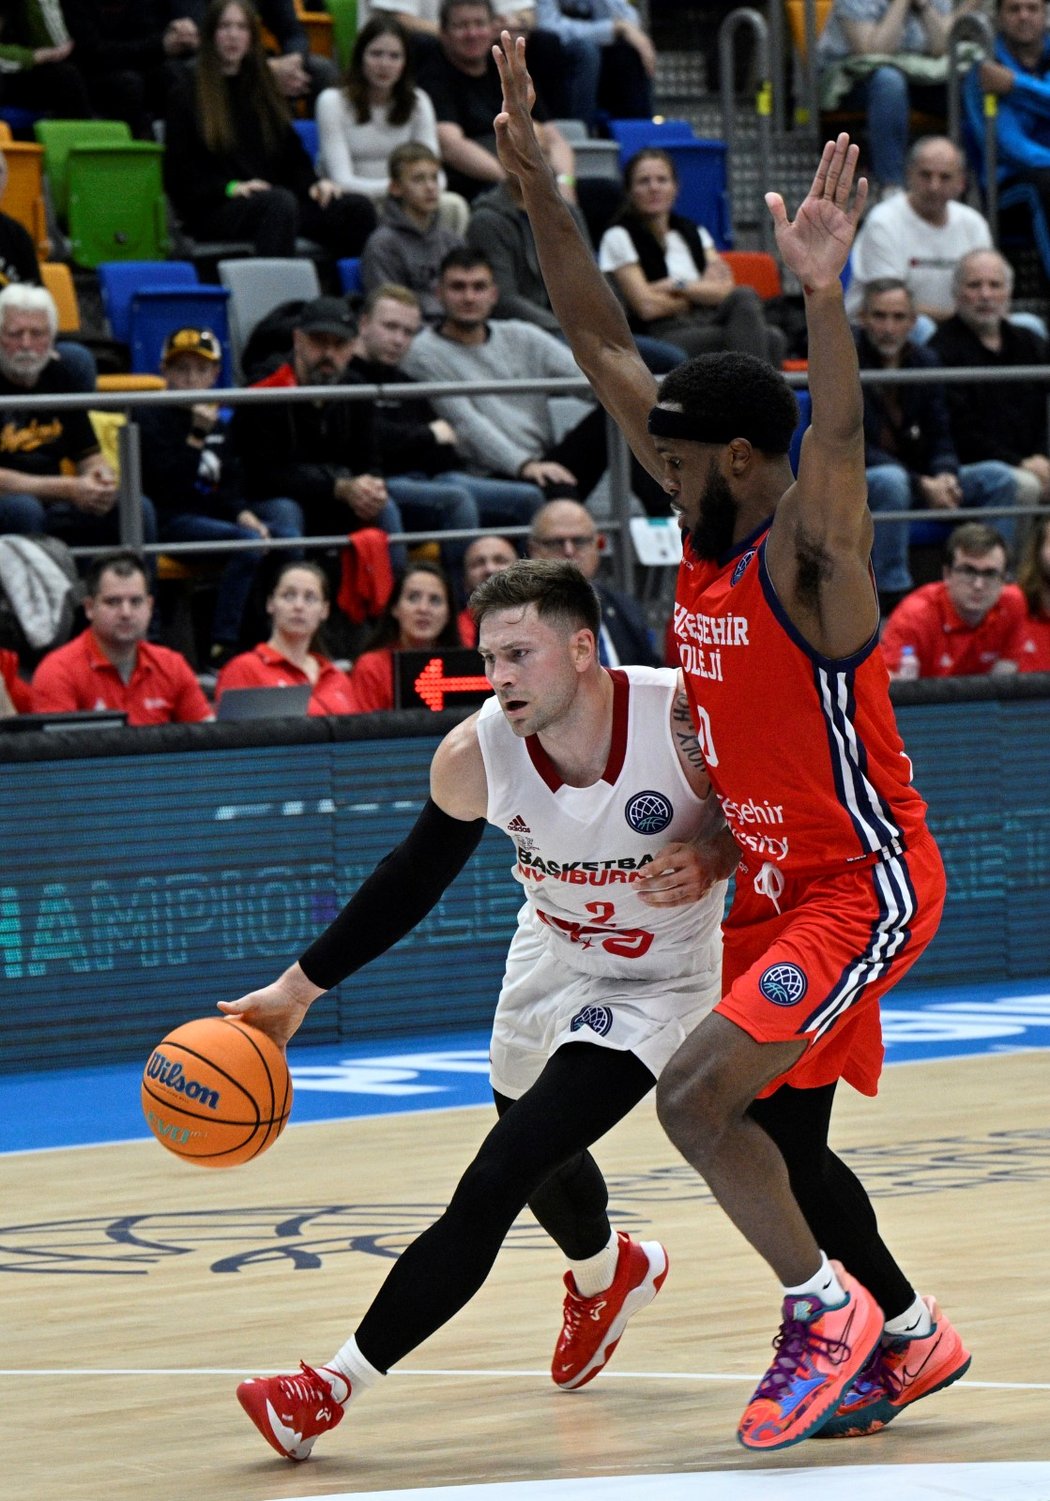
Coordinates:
(908, 666)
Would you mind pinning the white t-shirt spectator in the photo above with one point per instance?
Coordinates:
(356, 156)
(895, 241)
(617, 249)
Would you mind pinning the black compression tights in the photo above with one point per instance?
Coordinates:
(835, 1205)
(582, 1092)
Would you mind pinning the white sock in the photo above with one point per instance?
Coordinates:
(824, 1284)
(348, 1373)
(916, 1322)
(596, 1273)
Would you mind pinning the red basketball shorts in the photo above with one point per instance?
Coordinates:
(814, 969)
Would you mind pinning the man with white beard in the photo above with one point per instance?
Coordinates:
(35, 495)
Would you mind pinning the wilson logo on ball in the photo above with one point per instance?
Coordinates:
(165, 1071)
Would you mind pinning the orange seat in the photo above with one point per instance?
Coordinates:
(318, 27)
(24, 195)
(58, 279)
(131, 383)
(754, 268)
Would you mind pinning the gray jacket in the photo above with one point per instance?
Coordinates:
(503, 235)
(399, 251)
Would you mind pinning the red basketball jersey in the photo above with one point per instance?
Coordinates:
(802, 750)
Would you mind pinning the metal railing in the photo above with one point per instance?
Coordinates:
(768, 99)
(130, 491)
(129, 456)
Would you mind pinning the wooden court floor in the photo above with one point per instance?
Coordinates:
(137, 1291)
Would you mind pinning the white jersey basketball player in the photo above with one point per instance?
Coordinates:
(597, 779)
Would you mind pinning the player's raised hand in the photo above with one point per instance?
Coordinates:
(816, 243)
(516, 143)
(278, 1009)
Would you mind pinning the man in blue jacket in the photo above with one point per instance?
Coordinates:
(1020, 75)
(908, 450)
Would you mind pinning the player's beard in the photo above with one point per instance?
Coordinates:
(712, 536)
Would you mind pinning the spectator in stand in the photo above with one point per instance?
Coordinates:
(1033, 579)
(993, 421)
(422, 21)
(195, 482)
(908, 450)
(462, 81)
(918, 236)
(38, 447)
(419, 615)
(671, 279)
(510, 436)
(970, 624)
(129, 54)
(565, 529)
(484, 557)
(18, 263)
(298, 606)
(411, 242)
(323, 455)
(15, 693)
(234, 166)
(887, 57)
(611, 60)
(499, 228)
(299, 72)
(377, 109)
(1019, 73)
(111, 665)
(36, 71)
(424, 470)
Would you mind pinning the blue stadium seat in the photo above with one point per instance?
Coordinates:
(120, 280)
(307, 132)
(700, 164)
(157, 312)
(349, 271)
(633, 135)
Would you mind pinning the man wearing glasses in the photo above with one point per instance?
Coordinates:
(564, 529)
(968, 625)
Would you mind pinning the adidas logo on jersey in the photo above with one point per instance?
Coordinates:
(518, 825)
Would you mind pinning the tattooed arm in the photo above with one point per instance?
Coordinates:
(683, 873)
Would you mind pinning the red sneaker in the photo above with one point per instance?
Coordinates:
(901, 1371)
(593, 1326)
(291, 1411)
(819, 1351)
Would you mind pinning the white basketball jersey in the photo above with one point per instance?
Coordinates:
(581, 851)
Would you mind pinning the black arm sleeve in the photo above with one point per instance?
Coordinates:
(397, 896)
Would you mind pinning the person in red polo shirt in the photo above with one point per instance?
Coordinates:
(968, 625)
(111, 665)
(1033, 578)
(15, 695)
(298, 607)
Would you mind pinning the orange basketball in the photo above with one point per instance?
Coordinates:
(216, 1092)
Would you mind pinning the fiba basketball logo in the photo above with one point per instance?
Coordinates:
(738, 571)
(648, 813)
(783, 984)
(598, 1018)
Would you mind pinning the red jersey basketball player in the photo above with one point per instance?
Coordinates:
(841, 885)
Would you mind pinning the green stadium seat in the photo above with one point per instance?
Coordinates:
(344, 27)
(58, 137)
(117, 208)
